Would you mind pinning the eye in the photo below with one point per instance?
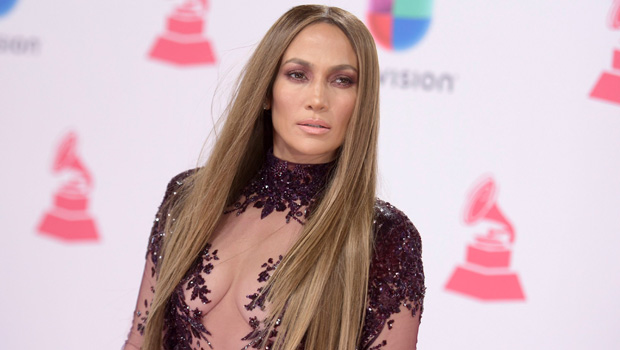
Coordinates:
(344, 81)
(296, 75)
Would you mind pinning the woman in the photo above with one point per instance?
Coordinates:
(278, 241)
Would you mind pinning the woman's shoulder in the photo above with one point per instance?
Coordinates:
(397, 242)
(393, 226)
(396, 267)
(159, 224)
(177, 181)
(172, 189)
(396, 276)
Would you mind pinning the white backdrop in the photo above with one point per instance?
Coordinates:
(518, 110)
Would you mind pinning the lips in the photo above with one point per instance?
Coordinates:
(315, 123)
(314, 126)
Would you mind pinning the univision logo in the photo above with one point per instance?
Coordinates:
(6, 6)
(399, 24)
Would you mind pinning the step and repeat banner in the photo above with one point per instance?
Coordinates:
(500, 139)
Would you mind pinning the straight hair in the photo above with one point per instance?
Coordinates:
(317, 295)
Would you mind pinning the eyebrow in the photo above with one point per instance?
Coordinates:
(308, 64)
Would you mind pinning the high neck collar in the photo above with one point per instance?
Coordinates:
(306, 173)
(281, 185)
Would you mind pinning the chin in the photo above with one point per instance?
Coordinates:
(311, 154)
(314, 150)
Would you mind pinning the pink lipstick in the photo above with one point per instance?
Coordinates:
(314, 126)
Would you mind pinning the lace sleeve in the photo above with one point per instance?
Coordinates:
(396, 284)
(149, 277)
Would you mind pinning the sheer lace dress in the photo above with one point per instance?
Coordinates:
(216, 304)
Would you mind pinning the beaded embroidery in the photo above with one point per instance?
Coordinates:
(281, 185)
(396, 280)
(181, 323)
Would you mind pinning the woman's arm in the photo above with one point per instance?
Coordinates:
(396, 283)
(141, 312)
(153, 256)
(399, 333)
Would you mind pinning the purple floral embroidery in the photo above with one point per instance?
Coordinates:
(281, 185)
(182, 324)
(396, 273)
(258, 300)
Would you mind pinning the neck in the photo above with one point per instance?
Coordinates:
(291, 156)
(281, 185)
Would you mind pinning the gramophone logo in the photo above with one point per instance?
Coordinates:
(183, 42)
(68, 219)
(608, 85)
(486, 273)
(399, 24)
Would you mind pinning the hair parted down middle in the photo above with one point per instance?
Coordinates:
(319, 289)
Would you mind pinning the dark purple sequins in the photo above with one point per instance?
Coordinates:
(396, 272)
(281, 185)
(396, 281)
(182, 324)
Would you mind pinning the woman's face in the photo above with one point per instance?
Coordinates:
(314, 95)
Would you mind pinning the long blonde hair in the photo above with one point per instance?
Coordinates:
(318, 292)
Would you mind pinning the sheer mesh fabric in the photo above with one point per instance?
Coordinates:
(217, 304)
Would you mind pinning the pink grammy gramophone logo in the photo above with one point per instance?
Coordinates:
(486, 275)
(68, 219)
(608, 85)
(183, 42)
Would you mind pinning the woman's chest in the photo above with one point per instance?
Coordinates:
(230, 288)
(219, 299)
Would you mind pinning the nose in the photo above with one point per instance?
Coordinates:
(317, 100)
